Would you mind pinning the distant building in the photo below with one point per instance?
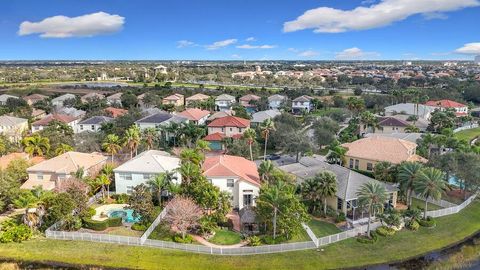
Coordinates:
(196, 116)
(59, 101)
(92, 96)
(176, 99)
(42, 123)
(477, 59)
(159, 120)
(301, 104)
(259, 117)
(92, 124)
(196, 98)
(115, 99)
(460, 109)
(246, 101)
(276, 101)
(4, 98)
(34, 98)
(13, 127)
(116, 112)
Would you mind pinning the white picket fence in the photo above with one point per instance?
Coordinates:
(441, 203)
(315, 243)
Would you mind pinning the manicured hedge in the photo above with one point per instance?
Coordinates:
(385, 231)
(413, 225)
(102, 225)
(368, 240)
(429, 222)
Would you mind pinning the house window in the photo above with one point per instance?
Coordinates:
(210, 180)
(223, 129)
(357, 162)
(230, 182)
(231, 129)
(351, 164)
(369, 166)
(93, 127)
(126, 176)
(81, 127)
(247, 199)
(61, 177)
(39, 176)
(339, 204)
(129, 189)
(147, 176)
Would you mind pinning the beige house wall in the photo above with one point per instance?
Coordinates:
(228, 131)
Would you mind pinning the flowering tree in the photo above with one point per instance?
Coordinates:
(182, 214)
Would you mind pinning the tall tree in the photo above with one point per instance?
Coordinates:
(430, 184)
(132, 139)
(265, 170)
(249, 135)
(111, 145)
(407, 175)
(36, 145)
(148, 137)
(266, 127)
(372, 195)
(327, 187)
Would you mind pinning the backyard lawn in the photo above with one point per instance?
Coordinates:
(344, 254)
(468, 134)
(322, 228)
(225, 237)
(417, 203)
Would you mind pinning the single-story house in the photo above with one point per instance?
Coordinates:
(196, 99)
(92, 96)
(115, 99)
(92, 124)
(48, 173)
(59, 101)
(144, 167)
(176, 99)
(236, 175)
(34, 98)
(259, 117)
(348, 184)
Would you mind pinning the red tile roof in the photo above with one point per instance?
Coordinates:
(49, 118)
(445, 103)
(194, 114)
(214, 137)
(230, 121)
(227, 166)
(116, 112)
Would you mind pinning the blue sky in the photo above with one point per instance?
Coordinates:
(239, 29)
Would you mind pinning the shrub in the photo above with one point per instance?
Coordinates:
(254, 241)
(270, 241)
(368, 240)
(120, 198)
(228, 224)
(88, 213)
(139, 227)
(15, 233)
(95, 224)
(115, 222)
(187, 240)
(385, 231)
(429, 222)
(340, 217)
(413, 225)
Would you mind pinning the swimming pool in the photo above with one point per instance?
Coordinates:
(125, 214)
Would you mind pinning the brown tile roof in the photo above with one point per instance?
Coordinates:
(174, 97)
(194, 114)
(49, 118)
(68, 163)
(214, 137)
(116, 112)
(230, 121)
(378, 148)
(34, 97)
(198, 96)
(227, 166)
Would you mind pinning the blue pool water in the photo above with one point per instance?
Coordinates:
(125, 214)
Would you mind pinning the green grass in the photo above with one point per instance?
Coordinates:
(417, 203)
(344, 254)
(225, 237)
(323, 112)
(300, 237)
(468, 134)
(322, 228)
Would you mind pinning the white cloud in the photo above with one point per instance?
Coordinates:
(293, 50)
(185, 44)
(235, 56)
(308, 54)
(249, 47)
(250, 39)
(469, 48)
(221, 44)
(331, 20)
(82, 26)
(355, 54)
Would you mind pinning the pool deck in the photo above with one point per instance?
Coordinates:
(101, 211)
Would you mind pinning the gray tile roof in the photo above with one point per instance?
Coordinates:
(261, 116)
(225, 97)
(6, 120)
(348, 181)
(276, 97)
(96, 120)
(155, 118)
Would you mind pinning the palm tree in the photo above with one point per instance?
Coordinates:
(104, 181)
(430, 184)
(336, 153)
(273, 197)
(327, 186)
(157, 184)
(310, 192)
(202, 146)
(191, 133)
(111, 144)
(191, 155)
(188, 171)
(266, 127)
(62, 149)
(148, 136)
(383, 171)
(372, 195)
(36, 145)
(265, 170)
(412, 129)
(249, 134)
(132, 139)
(369, 119)
(408, 173)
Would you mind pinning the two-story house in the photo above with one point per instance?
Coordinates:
(196, 116)
(234, 175)
(92, 124)
(224, 102)
(144, 167)
(49, 173)
(276, 101)
(228, 126)
(302, 104)
(196, 99)
(13, 127)
(176, 100)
